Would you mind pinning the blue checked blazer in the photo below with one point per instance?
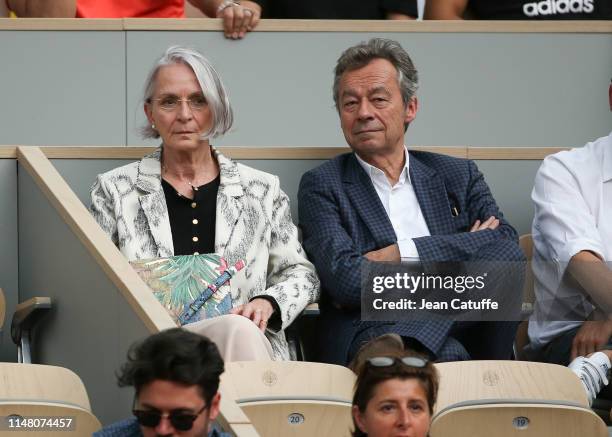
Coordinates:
(342, 218)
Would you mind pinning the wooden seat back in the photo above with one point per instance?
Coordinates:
(31, 391)
(512, 398)
(292, 399)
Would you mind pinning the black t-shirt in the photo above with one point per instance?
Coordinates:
(541, 9)
(336, 9)
(192, 221)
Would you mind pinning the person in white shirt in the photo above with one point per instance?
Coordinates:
(572, 236)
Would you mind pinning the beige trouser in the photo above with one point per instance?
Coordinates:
(237, 337)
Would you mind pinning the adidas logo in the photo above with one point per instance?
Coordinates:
(554, 7)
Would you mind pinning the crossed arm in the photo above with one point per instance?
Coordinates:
(392, 253)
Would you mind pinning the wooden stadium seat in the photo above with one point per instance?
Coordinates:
(292, 399)
(31, 390)
(512, 399)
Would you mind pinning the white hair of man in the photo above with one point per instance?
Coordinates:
(212, 88)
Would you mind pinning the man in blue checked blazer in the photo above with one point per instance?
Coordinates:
(383, 203)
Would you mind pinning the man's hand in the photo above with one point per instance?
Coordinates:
(239, 19)
(490, 223)
(389, 253)
(258, 310)
(591, 337)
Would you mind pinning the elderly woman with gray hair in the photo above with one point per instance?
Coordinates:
(187, 198)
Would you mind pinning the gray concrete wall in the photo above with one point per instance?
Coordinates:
(8, 252)
(490, 89)
(62, 87)
(479, 89)
(511, 183)
(91, 326)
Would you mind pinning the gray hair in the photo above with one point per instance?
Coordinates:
(379, 48)
(210, 83)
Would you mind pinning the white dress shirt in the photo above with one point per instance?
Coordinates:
(573, 212)
(401, 205)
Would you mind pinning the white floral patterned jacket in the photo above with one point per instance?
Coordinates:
(253, 223)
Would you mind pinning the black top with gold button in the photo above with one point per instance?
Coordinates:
(192, 221)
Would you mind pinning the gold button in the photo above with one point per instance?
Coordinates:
(194, 221)
(195, 239)
(193, 204)
(196, 253)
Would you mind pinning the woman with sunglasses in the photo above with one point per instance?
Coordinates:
(394, 396)
(187, 198)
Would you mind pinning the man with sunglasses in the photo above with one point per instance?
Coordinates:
(176, 377)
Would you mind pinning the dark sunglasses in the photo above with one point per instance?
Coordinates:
(390, 361)
(180, 421)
